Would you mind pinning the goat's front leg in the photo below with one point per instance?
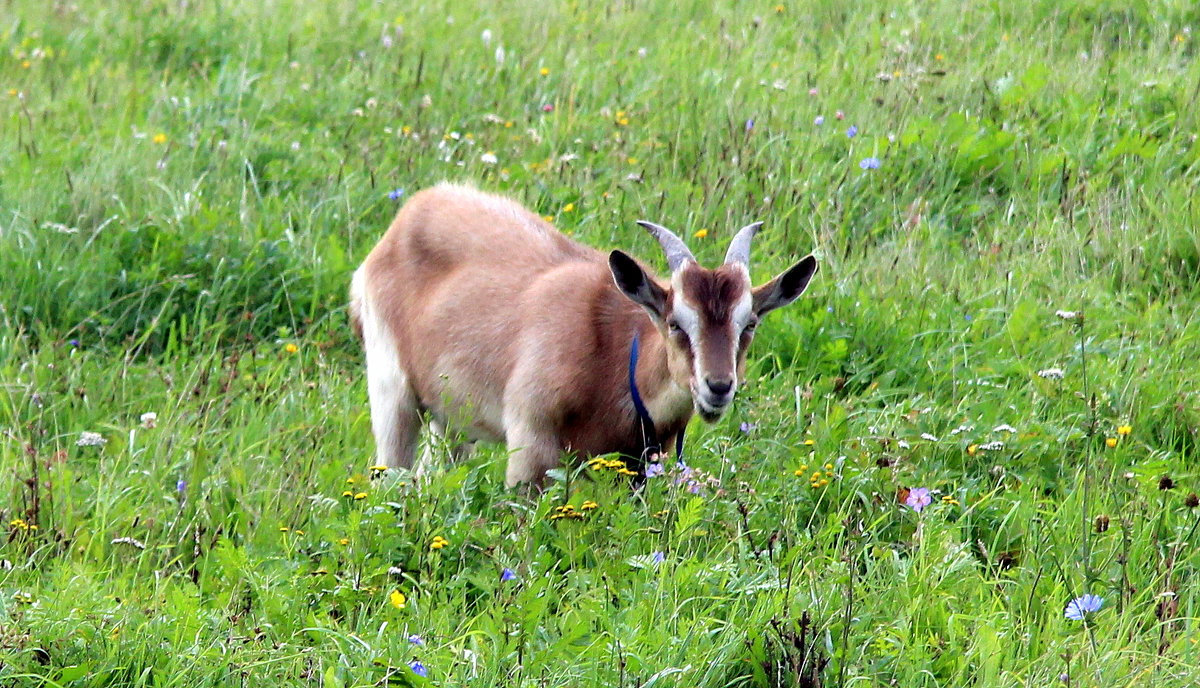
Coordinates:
(533, 453)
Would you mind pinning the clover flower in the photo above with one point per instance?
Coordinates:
(149, 420)
(918, 498)
(1080, 607)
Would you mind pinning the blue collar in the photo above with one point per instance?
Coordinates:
(650, 438)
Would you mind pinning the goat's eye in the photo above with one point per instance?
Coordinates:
(673, 327)
(749, 329)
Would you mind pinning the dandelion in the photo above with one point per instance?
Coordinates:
(418, 668)
(416, 640)
(347, 493)
(918, 498)
(489, 158)
(949, 500)
(654, 470)
(569, 208)
(507, 575)
(159, 138)
(377, 468)
(90, 439)
(589, 506)
(1124, 429)
(544, 71)
(395, 194)
(852, 131)
(819, 120)
(438, 542)
(398, 600)
(344, 541)
(868, 163)
(360, 496)
(1110, 442)
(291, 348)
(1051, 373)
(1081, 607)
(149, 420)
(701, 233)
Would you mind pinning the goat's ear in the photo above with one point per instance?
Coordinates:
(785, 288)
(636, 284)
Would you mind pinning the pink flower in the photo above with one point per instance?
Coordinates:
(918, 498)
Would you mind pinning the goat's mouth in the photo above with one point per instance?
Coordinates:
(711, 410)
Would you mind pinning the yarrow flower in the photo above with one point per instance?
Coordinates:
(90, 439)
(149, 419)
(869, 163)
(1051, 373)
(1081, 607)
(918, 498)
(1066, 315)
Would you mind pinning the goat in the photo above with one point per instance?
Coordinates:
(480, 313)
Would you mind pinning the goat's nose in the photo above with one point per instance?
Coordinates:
(719, 387)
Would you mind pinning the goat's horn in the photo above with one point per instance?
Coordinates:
(676, 251)
(739, 248)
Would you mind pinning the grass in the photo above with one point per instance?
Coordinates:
(186, 188)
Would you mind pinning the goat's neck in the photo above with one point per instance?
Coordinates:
(668, 402)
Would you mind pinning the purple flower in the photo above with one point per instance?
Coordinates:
(654, 470)
(74, 343)
(181, 487)
(869, 163)
(418, 668)
(507, 575)
(695, 487)
(747, 428)
(395, 194)
(852, 131)
(918, 498)
(658, 557)
(1080, 607)
(749, 124)
(819, 120)
(416, 640)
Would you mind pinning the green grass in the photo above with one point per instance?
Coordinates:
(186, 187)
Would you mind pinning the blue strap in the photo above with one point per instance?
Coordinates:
(649, 432)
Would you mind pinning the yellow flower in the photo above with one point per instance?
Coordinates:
(779, 9)
(438, 542)
(290, 347)
(939, 57)
(398, 600)
(631, 161)
(544, 71)
(1124, 429)
(897, 73)
(701, 233)
(824, 482)
(829, 467)
(548, 218)
(159, 138)
(570, 207)
(26, 64)
(589, 505)
(1111, 442)
(351, 481)
(284, 529)
(809, 443)
(626, 471)
(12, 91)
(344, 541)
(971, 450)
(379, 468)
(360, 495)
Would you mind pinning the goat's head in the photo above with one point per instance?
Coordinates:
(707, 317)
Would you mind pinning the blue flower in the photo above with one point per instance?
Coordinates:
(416, 640)
(395, 194)
(1080, 607)
(507, 575)
(747, 428)
(869, 163)
(819, 120)
(658, 557)
(181, 487)
(74, 343)
(749, 124)
(852, 131)
(654, 469)
(418, 668)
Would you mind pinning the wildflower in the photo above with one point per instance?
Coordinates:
(820, 119)
(747, 428)
(1124, 429)
(149, 419)
(1004, 428)
(918, 498)
(360, 496)
(812, 91)
(377, 468)
(1192, 501)
(929, 437)
(416, 640)
(991, 446)
(291, 348)
(839, 115)
(486, 37)
(438, 542)
(398, 600)
(181, 487)
(284, 529)
(1066, 315)
(1051, 373)
(74, 343)
(296, 146)
(136, 544)
(939, 57)
(159, 138)
(508, 575)
(1080, 607)
(488, 158)
(569, 208)
(852, 131)
(658, 557)
(347, 493)
(344, 541)
(418, 668)
(544, 71)
(869, 163)
(1165, 483)
(1110, 442)
(395, 194)
(749, 125)
(950, 500)
(90, 439)
(642, 52)
(972, 450)
(589, 506)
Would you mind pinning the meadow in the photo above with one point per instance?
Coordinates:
(983, 410)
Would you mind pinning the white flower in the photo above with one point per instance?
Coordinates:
(137, 544)
(903, 444)
(567, 157)
(962, 428)
(371, 103)
(149, 419)
(1066, 315)
(1004, 428)
(499, 54)
(991, 446)
(295, 145)
(486, 37)
(642, 52)
(1051, 373)
(929, 437)
(90, 439)
(386, 40)
(426, 101)
(488, 158)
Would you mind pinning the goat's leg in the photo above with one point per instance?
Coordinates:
(533, 453)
